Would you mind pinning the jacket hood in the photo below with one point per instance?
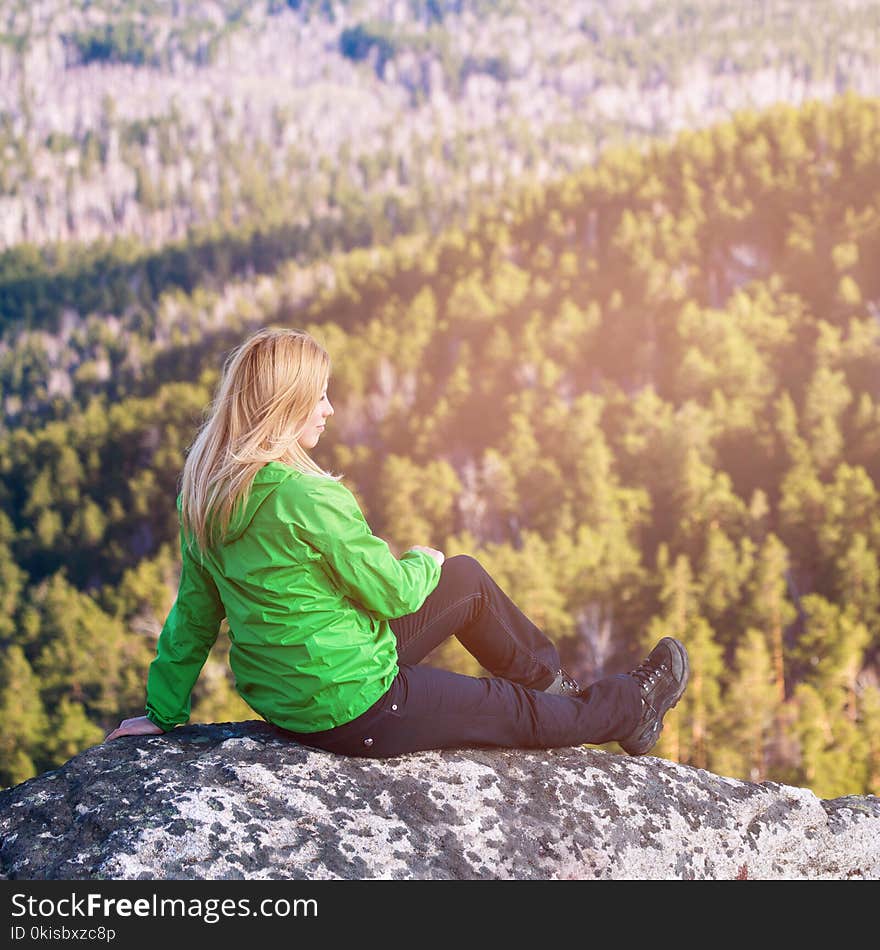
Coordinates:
(265, 483)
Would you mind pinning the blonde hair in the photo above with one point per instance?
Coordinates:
(270, 385)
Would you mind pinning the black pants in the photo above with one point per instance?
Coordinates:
(429, 708)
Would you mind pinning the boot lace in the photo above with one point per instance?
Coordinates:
(569, 684)
(564, 685)
(646, 674)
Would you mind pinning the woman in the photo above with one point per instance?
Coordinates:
(328, 627)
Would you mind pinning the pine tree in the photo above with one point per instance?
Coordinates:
(851, 507)
(12, 580)
(813, 730)
(23, 716)
(833, 752)
(857, 581)
(699, 709)
(416, 505)
(826, 398)
(82, 653)
(769, 606)
(869, 718)
(678, 599)
(751, 706)
(722, 574)
(832, 648)
(70, 731)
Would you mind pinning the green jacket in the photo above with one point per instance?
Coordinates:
(307, 590)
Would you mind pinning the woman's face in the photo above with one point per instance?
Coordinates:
(316, 421)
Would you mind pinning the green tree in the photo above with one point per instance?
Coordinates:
(857, 581)
(23, 716)
(769, 606)
(801, 510)
(825, 401)
(869, 715)
(722, 574)
(678, 598)
(851, 507)
(83, 654)
(701, 705)
(832, 650)
(833, 756)
(416, 504)
(12, 580)
(70, 731)
(751, 706)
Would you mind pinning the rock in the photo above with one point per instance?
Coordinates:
(240, 801)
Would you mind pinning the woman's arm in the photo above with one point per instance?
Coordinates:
(187, 636)
(326, 515)
(186, 639)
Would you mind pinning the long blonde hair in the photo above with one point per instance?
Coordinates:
(270, 385)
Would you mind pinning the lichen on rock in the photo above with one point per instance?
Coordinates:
(241, 801)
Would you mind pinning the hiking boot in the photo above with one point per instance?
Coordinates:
(563, 685)
(662, 678)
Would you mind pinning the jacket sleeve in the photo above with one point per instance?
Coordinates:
(326, 515)
(186, 639)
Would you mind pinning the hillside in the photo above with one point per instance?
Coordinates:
(645, 396)
(148, 120)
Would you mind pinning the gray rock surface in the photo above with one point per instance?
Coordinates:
(240, 801)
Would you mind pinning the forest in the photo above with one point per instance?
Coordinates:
(155, 121)
(645, 395)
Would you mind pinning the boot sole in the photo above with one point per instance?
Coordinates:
(686, 672)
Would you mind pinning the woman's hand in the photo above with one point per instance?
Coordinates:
(438, 556)
(140, 726)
